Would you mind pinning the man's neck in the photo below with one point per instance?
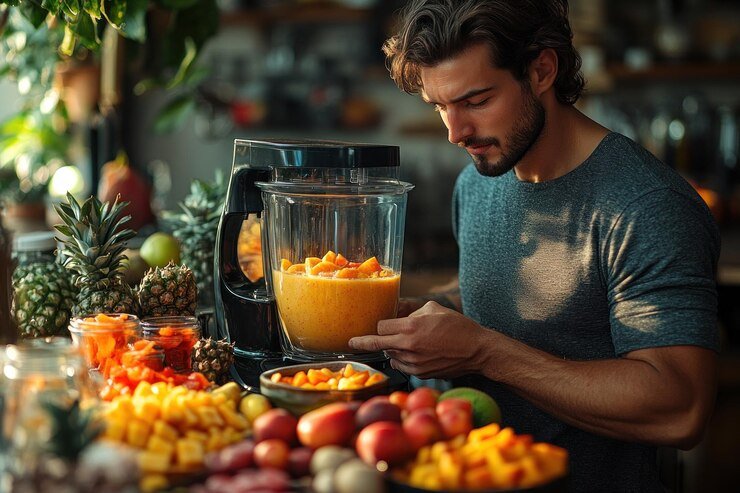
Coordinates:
(567, 140)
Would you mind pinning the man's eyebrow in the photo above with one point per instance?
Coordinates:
(469, 94)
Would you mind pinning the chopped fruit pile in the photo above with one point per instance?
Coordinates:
(177, 342)
(104, 338)
(173, 427)
(140, 365)
(336, 266)
(348, 378)
(488, 457)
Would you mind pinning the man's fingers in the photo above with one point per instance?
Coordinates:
(367, 343)
(390, 327)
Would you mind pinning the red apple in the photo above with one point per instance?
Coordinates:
(275, 423)
(447, 404)
(272, 452)
(455, 421)
(399, 398)
(332, 424)
(378, 408)
(422, 428)
(421, 398)
(386, 441)
(232, 458)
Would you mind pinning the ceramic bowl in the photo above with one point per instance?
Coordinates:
(299, 400)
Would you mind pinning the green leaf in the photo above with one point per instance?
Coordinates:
(129, 17)
(86, 30)
(174, 114)
(12, 3)
(199, 23)
(191, 51)
(92, 7)
(35, 13)
(71, 8)
(68, 43)
(53, 6)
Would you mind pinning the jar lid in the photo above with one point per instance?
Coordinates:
(38, 241)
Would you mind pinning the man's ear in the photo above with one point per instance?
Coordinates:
(542, 71)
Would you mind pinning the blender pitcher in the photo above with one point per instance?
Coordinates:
(332, 218)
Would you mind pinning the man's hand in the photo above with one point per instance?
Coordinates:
(431, 342)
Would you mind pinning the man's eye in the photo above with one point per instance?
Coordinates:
(480, 103)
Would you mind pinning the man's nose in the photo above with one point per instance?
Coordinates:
(459, 127)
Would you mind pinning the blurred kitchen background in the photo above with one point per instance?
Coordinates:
(664, 72)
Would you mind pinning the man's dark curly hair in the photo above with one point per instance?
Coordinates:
(515, 30)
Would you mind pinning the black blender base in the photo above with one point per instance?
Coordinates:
(246, 371)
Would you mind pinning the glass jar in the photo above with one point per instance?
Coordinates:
(176, 336)
(39, 373)
(36, 247)
(103, 338)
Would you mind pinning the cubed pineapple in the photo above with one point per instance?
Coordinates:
(143, 389)
(209, 417)
(189, 452)
(137, 433)
(160, 445)
(232, 418)
(153, 461)
(147, 408)
(165, 431)
(197, 435)
(150, 483)
(115, 430)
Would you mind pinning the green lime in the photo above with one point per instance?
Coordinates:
(159, 248)
(485, 409)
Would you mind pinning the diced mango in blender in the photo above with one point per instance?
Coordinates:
(340, 261)
(310, 262)
(296, 269)
(348, 273)
(329, 257)
(369, 266)
(323, 267)
(285, 264)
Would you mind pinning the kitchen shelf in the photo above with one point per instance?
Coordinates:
(704, 71)
(314, 13)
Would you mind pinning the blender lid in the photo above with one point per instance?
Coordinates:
(286, 153)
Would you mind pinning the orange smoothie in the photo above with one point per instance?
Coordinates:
(322, 313)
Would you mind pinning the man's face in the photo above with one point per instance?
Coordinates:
(495, 117)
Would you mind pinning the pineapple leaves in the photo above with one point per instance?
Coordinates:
(73, 429)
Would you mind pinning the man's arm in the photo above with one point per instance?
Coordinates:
(661, 396)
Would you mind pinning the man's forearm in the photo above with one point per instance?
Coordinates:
(623, 398)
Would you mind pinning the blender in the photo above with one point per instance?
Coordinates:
(308, 252)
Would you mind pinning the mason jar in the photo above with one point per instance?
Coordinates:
(39, 375)
(176, 336)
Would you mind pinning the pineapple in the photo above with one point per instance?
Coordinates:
(213, 359)
(170, 290)
(94, 246)
(196, 227)
(73, 429)
(43, 302)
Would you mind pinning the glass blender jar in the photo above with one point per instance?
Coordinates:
(325, 221)
(334, 250)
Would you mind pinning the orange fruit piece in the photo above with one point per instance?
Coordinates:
(323, 267)
(329, 257)
(296, 269)
(347, 273)
(285, 264)
(311, 261)
(369, 266)
(340, 261)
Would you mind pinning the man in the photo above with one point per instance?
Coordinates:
(587, 302)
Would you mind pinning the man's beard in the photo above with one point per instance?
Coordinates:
(526, 131)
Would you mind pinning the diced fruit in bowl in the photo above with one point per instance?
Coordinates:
(347, 378)
(487, 458)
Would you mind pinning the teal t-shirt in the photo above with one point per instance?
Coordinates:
(617, 255)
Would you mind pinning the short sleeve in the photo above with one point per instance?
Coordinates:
(660, 262)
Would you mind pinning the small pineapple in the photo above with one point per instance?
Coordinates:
(94, 244)
(196, 228)
(44, 296)
(170, 290)
(213, 359)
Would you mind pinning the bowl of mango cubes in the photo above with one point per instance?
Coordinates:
(302, 388)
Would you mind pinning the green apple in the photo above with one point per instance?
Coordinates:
(159, 249)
